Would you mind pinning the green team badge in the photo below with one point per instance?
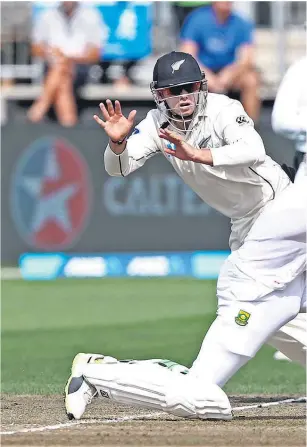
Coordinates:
(242, 318)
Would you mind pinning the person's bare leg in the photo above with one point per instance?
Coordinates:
(41, 106)
(65, 103)
(213, 83)
(249, 84)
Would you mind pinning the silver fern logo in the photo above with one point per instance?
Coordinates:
(176, 65)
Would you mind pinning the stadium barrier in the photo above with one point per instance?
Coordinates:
(50, 266)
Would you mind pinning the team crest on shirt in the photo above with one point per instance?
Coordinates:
(204, 142)
(242, 318)
(242, 119)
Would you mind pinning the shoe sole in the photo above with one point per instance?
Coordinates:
(69, 415)
(76, 359)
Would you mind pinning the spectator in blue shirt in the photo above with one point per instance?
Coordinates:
(222, 41)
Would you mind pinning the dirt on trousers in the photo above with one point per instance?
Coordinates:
(107, 424)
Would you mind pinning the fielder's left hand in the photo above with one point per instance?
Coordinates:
(184, 151)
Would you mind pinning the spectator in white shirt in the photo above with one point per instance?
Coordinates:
(69, 38)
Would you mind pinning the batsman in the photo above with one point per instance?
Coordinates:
(211, 143)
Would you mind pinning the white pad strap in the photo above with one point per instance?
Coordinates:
(152, 386)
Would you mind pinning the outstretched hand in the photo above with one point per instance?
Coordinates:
(116, 125)
(183, 150)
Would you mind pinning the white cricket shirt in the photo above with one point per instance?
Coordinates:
(71, 35)
(242, 179)
(289, 115)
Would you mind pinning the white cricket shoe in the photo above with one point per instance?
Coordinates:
(280, 356)
(78, 392)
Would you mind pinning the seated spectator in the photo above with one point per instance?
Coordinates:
(14, 47)
(222, 41)
(183, 8)
(125, 80)
(69, 39)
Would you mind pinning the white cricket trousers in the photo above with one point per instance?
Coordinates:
(302, 170)
(261, 287)
(291, 339)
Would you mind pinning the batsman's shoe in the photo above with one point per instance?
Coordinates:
(78, 392)
(280, 356)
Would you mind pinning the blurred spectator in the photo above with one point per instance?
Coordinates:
(182, 9)
(123, 81)
(124, 28)
(15, 31)
(69, 39)
(222, 41)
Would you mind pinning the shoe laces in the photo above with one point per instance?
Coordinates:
(89, 395)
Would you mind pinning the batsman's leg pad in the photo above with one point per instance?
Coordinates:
(153, 386)
(193, 398)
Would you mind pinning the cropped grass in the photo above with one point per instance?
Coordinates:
(44, 324)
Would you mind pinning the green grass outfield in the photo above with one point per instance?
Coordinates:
(44, 324)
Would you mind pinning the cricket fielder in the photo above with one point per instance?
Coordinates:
(289, 118)
(211, 143)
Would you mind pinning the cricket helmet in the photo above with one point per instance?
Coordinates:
(177, 74)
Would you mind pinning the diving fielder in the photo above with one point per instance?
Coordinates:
(212, 144)
(289, 118)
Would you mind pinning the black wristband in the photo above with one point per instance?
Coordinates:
(119, 141)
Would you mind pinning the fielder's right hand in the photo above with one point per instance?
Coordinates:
(116, 125)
